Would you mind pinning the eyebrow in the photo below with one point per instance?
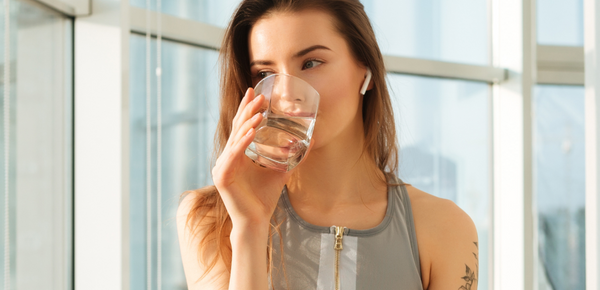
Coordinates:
(297, 55)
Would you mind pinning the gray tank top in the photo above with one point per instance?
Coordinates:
(316, 257)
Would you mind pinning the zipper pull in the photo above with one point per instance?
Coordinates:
(339, 235)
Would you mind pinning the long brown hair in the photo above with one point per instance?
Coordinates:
(380, 134)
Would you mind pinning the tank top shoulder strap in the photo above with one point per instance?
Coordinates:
(403, 211)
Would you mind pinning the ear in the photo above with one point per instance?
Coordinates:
(367, 84)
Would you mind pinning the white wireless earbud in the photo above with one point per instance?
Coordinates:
(363, 90)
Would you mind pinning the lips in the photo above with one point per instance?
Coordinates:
(286, 150)
(279, 153)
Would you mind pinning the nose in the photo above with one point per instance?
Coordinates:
(287, 89)
(287, 94)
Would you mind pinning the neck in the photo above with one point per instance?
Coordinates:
(339, 173)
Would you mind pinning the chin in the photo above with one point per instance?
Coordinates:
(316, 144)
(319, 141)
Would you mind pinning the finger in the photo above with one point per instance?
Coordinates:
(244, 142)
(233, 140)
(237, 151)
(250, 123)
(243, 103)
(229, 158)
(248, 97)
(248, 112)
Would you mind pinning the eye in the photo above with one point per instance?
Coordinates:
(311, 63)
(263, 74)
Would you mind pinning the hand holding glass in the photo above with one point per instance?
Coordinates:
(290, 112)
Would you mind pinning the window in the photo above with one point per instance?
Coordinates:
(458, 119)
(40, 179)
(447, 30)
(189, 116)
(444, 130)
(559, 154)
(560, 185)
(560, 22)
(212, 12)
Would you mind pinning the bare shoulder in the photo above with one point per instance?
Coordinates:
(190, 237)
(186, 203)
(447, 242)
(439, 214)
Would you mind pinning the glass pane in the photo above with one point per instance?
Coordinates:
(559, 152)
(38, 172)
(213, 12)
(189, 117)
(560, 22)
(444, 130)
(448, 30)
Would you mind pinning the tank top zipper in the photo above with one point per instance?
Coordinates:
(338, 247)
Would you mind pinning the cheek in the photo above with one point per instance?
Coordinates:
(338, 106)
(339, 98)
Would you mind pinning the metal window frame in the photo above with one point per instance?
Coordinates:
(187, 31)
(64, 120)
(592, 141)
(102, 147)
(513, 47)
(73, 8)
(560, 65)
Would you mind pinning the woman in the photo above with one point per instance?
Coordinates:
(390, 235)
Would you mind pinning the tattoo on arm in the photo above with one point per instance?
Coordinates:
(470, 275)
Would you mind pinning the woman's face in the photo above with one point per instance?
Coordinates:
(307, 45)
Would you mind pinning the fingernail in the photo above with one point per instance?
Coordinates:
(249, 132)
(255, 117)
(255, 99)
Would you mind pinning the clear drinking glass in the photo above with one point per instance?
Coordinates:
(289, 115)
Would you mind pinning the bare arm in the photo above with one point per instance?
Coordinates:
(249, 264)
(447, 241)
(248, 267)
(455, 263)
(250, 195)
(193, 267)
